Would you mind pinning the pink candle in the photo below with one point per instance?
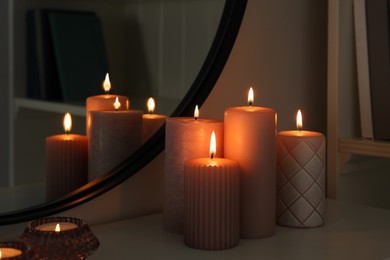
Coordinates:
(114, 136)
(211, 202)
(250, 139)
(104, 102)
(185, 139)
(151, 122)
(300, 178)
(66, 162)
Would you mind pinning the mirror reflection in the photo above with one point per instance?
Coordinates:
(154, 48)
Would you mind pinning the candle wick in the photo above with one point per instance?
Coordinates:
(67, 132)
(300, 129)
(212, 155)
(196, 118)
(250, 103)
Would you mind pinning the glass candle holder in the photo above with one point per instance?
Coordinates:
(75, 240)
(15, 250)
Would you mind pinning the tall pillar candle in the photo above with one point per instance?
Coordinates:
(114, 136)
(211, 202)
(104, 102)
(185, 139)
(151, 122)
(250, 139)
(66, 162)
(300, 178)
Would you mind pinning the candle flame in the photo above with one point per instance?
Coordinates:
(117, 104)
(151, 105)
(0, 254)
(58, 228)
(107, 84)
(196, 112)
(299, 120)
(250, 97)
(213, 145)
(67, 122)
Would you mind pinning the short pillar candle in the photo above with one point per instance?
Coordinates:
(211, 203)
(250, 139)
(300, 178)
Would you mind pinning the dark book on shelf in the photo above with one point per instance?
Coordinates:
(377, 17)
(80, 53)
(42, 76)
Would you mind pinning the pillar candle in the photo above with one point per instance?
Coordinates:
(185, 138)
(66, 162)
(250, 139)
(300, 178)
(104, 102)
(114, 136)
(211, 203)
(151, 122)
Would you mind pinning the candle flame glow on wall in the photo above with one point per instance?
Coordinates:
(117, 104)
(251, 98)
(151, 105)
(107, 84)
(213, 145)
(299, 120)
(58, 228)
(67, 123)
(196, 112)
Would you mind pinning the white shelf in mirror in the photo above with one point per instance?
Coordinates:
(49, 106)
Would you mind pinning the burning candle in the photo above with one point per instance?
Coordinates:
(151, 122)
(211, 202)
(103, 102)
(114, 136)
(7, 252)
(56, 226)
(185, 138)
(250, 139)
(66, 161)
(300, 177)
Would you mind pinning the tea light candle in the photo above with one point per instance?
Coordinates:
(300, 177)
(211, 202)
(114, 136)
(250, 139)
(56, 226)
(185, 138)
(7, 252)
(66, 161)
(151, 122)
(104, 102)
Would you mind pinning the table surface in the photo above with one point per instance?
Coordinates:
(350, 232)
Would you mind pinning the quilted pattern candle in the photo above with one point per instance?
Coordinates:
(300, 178)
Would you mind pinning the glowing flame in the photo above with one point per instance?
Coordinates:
(58, 228)
(117, 104)
(151, 105)
(67, 123)
(213, 145)
(299, 120)
(250, 96)
(0, 254)
(107, 84)
(196, 112)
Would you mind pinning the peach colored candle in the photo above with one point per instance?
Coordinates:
(211, 202)
(250, 139)
(104, 102)
(300, 177)
(114, 136)
(185, 139)
(151, 122)
(66, 162)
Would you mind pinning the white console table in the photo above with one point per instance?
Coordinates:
(350, 232)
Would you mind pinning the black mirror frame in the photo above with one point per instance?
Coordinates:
(215, 61)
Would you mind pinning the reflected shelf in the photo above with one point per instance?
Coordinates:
(367, 147)
(49, 106)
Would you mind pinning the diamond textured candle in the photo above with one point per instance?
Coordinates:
(300, 177)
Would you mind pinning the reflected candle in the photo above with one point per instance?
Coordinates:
(185, 138)
(103, 102)
(250, 139)
(66, 161)
(151, 122)
(300, 177)
(211, 202)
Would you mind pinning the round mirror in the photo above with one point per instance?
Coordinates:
(207, 73)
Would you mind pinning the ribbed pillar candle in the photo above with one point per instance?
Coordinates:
(211, 203)
(300, 179)
(185, 139)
